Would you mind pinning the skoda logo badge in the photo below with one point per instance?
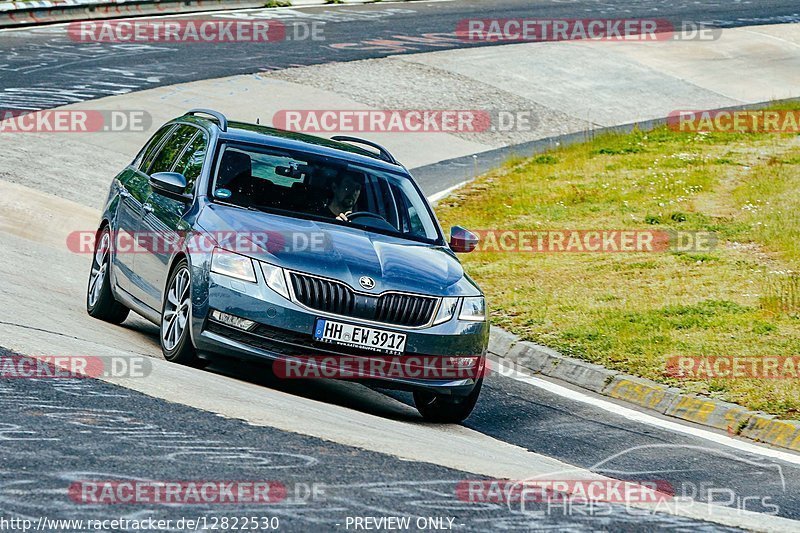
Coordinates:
(367, 282)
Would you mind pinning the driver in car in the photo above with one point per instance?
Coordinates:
(346, 188)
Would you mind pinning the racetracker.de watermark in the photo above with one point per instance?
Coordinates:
(117, 492)
(735, 121)
(560, 490)
(387, 121)
(594, 241)
(379, 367)
(74, 366)
(243, 242)
(406, 120)
(733, 367)
(74, 121)
(599, 29)
(194, 31)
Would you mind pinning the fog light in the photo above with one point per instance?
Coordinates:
(232, 321)
(463, 362)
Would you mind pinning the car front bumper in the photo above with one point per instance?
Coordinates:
(285, 329)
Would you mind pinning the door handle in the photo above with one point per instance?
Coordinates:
(147, 208)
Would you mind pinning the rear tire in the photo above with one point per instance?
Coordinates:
(176, 316)
(100, 301)
(446, 409)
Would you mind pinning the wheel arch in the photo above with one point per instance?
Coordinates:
(177, 258)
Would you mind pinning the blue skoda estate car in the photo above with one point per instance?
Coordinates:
(246, 241)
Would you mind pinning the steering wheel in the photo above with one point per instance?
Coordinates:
(357, 214)
(372, 220)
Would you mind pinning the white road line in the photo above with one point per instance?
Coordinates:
(644, 418)
(774, 37)
(435, 197)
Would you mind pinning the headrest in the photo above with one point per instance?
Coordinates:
(234, 164)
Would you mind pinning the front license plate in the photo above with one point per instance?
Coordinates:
(376, 340)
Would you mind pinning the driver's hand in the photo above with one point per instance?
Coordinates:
(343, 216)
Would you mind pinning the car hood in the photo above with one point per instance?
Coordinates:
(339, 252)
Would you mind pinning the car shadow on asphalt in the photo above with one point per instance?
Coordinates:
(368, 399)
(141, 325)
(351, 395)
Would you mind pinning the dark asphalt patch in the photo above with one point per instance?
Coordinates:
(56, 432)
(611, 445)
(42, 68)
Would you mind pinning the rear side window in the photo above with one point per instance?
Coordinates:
(190, 163)
(172, 149)
(146, 156)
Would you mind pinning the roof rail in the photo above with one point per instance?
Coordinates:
(223, 122)
(385, 154)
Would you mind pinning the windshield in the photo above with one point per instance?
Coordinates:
(334, 190)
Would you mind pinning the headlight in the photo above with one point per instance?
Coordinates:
(233, 265)
(446, 310)
(275, 279)
(473, 309)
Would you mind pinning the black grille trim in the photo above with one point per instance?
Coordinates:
(405, 309)
(337, 298)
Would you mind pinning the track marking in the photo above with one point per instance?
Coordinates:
(644, 418)
(435, 197)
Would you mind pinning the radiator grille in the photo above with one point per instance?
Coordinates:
(405, 309)
(337, 298)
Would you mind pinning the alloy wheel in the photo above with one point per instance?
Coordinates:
(176, 310)
(99, 269)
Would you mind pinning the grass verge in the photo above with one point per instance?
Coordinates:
(634, 311)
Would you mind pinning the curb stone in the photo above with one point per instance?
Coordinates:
(642, 392)
(533, 355)
(709, 412)
(500, 342)
(765, 428)
(669, 401)
(590, 376)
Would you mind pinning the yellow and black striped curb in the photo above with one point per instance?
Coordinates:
(670, 401)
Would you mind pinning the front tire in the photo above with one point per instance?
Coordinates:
(175, 317)
(100, 301)
(446, 409)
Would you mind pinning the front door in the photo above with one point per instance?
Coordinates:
(162, 217)
(133, 190)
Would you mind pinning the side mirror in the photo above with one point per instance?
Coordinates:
(462, 241)
(170, 182)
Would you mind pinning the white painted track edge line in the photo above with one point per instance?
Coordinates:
(645, 418)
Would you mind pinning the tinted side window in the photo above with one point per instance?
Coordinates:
(191, 162)
(147, 154)
(409, 219)
(172, 149)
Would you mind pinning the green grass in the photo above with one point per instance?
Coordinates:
(631, 312)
